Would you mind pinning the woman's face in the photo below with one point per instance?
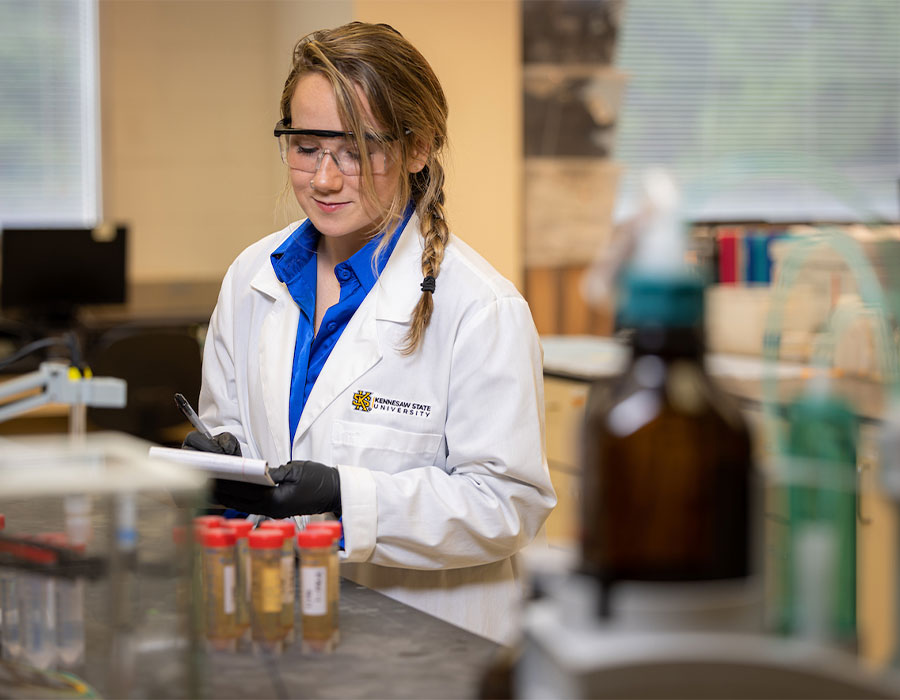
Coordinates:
(331, 199)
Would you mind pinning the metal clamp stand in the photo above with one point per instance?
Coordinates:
(60, 384)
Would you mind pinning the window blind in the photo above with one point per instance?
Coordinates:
(764, 110)
(49, 118)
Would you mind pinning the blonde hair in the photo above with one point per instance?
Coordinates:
(407, 101)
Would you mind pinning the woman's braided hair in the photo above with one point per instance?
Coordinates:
(407, 101)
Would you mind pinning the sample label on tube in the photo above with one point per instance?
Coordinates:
(271, 590)
(228, 578)
(313, 590)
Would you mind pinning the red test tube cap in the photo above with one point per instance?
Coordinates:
(310, 539)
(239, 526)
(265, 538)
(218, 537)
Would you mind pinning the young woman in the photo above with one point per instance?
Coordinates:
(386, 366)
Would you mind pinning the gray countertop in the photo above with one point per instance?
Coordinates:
(387, 650)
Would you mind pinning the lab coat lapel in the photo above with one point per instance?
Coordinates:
(359, 348)
(356, 352)
(276, 357)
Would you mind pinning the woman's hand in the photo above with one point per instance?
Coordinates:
(222, 444)
(302, 488)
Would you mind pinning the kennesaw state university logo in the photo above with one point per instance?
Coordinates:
(362, 400)
(367, 401)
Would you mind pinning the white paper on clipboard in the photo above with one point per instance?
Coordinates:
(253, 471)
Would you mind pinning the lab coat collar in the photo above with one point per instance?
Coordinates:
(399, 287)
(265, 280)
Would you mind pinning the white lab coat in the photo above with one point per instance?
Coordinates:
(441, 454)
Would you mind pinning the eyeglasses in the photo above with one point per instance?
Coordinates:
(303, 149)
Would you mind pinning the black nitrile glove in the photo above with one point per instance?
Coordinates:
(222, 444)
(303, 488)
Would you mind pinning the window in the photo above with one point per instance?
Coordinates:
(49, 116)
(778, 110)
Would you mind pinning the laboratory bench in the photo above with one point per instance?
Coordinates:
(387, 650)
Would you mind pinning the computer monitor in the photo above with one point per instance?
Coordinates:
(47, 273)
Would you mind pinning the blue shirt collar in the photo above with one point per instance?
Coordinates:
(295, 257)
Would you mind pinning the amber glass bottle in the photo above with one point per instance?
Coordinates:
(667, 458)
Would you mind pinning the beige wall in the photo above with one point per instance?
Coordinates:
(190, 95)
(474, 47)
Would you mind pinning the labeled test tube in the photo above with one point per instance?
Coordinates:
(317, 627)
(241, 529)
(335, 528)
(201, 524)
(219, 589)
(267, 631)
(288, 531)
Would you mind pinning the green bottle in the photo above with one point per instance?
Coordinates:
(819, 564)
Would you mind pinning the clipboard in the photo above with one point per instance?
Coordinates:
(252, 471)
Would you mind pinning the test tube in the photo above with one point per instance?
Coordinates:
(266, 590)
(317, 627)
(288, 531)
(37, 610)
(219, 589)
(201, 524)
(10, 629)
(241, 529)
(335, 528)
(69, 611)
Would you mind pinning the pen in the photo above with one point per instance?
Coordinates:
(191, 415)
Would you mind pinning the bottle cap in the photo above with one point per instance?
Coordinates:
(658, 288)
(265, 538)
(285, 527)
(332, 526)
(209, 520)
(663, 300)
(314, 538)
(218, 537)
(239, 526)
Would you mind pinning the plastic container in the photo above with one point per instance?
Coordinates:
(288, 577)
(219, 588)
(267, 630)
(336, 530)
(241, 529)
(317, 628)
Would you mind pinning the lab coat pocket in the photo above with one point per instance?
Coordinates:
(380, 448)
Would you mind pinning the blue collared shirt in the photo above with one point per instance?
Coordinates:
(294, 263)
